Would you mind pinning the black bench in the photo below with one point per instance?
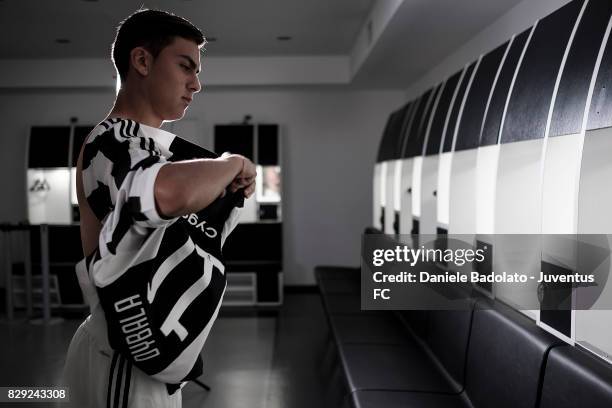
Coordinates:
(498, 364)
(486, 356)
(575, 378)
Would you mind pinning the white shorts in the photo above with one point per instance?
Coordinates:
(99, 377)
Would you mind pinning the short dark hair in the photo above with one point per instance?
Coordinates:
(153, 30)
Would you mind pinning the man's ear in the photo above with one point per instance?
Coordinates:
(141, 60)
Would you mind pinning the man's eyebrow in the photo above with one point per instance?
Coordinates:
(192, 63)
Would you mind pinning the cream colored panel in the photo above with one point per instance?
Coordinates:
(592, 327)
(463, 193)
(518, 206)
(389, 196)
(376, 200)
(397, 186)
(595, 197)
(560, 184)
(444, 186)
(417, 165)
(560, 200)
(486, 177)
(428, 221)
(406, 197)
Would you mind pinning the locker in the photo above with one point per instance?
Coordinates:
(422, 173)
(518, 201)
(404, 196)
(393, 163)
(412, 148)
(379, 175)
(562, 159)
(487, 155)
(452, 117)
(462, 200)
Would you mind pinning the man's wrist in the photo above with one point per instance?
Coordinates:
(238, 161)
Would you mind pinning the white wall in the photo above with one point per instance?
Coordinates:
(330, 141)
(519, 18)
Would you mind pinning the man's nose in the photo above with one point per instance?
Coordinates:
(195, 85)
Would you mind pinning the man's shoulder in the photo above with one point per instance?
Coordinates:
(117, 140)
(118, 128)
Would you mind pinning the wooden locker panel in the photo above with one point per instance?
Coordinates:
(452, 121)
(410, 114)
(267, 145)
(600, 111)
(414, 147)
(418, 106)
(576, 78)
(389, 137)
(235, 139)
(80, 134)
(397, 132)
(380, 157)
(442, 111)
(492, 122)
(252, 242)
(422, 133)
(49, 147)
(533, 89)
(476, 102)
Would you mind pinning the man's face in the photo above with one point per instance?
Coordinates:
(173, 79)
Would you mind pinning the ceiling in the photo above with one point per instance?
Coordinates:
(241, 27)
(419, 35)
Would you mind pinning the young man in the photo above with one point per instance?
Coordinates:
(155, 211)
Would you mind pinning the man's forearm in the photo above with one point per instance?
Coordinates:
(188, 186)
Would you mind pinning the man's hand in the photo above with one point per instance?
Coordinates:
(246, 178)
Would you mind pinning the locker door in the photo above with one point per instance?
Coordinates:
(462, 198)
(562, 160)
(413, 151)
(401, 180)
(376, 197)
(429, 172)
(48, 175)
(395, 143)
(591, 327)
(518, 198)
(487, 156)
(450, 179)
(407, 166)
(379, 175)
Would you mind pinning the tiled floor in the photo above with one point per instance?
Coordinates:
(249, 361)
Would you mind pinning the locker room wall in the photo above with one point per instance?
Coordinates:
(325, 195)
(528, 108)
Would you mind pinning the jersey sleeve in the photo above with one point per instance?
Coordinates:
(119, 170)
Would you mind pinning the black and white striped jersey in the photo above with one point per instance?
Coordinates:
(159, 281)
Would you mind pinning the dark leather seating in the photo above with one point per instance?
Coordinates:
(434, 363)
(503, 365)
(574, 378)
(488, 355)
